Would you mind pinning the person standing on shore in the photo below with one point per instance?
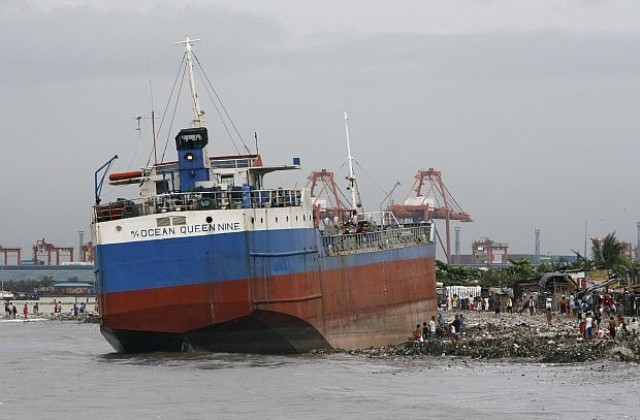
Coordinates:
(582, 327)
(549, 317)
(417, 336)
(455, 330)
(25, 311)
(612, 328)
(588, 326)
(572, 304)
(14, 310)
(563, 305)
(532, 305)
(432, 327)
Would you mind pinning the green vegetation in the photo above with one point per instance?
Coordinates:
(459, 275)
(607, 254)
(33, 285)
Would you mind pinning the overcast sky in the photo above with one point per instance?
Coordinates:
(529, 108)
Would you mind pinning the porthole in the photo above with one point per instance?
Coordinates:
(261, 220)
(209, 219)
(287, 218)
(252, 220)
(276, 220)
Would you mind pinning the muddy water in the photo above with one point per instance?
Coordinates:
(62, 370)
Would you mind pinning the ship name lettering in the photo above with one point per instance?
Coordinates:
(229, 226)
(206, 227)
(148, 233)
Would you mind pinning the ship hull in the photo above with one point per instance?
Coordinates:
(279, 291)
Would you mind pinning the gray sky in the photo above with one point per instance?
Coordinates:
(530, 108)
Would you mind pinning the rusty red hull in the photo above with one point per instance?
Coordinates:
(344, 307)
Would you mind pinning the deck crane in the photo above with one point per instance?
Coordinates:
(430, 199)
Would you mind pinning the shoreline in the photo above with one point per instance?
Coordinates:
(519, 338)
(514, 337)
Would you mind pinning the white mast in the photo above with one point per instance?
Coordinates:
(353, 186)
(197, 112)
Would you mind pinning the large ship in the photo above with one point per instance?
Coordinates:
(208, 257)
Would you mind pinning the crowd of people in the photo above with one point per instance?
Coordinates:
(438, 327)
(11, 311)
(596, 314)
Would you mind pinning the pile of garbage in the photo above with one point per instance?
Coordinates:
(521, 337)
(87, 318)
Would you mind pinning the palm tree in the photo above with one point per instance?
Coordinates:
(608, 255)
(581, 262)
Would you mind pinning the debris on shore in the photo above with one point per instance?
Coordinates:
(519, 337)
(87, 318)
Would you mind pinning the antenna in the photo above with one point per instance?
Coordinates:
(153, 116)
(353, 187)
(197, 112)
(153, 129)
(255, 135)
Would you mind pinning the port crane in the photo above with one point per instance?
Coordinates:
(86, 252)
(43, 248)
(7, 251)
(430, 199)
(328, 200)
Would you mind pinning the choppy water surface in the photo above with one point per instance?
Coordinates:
(62, 370)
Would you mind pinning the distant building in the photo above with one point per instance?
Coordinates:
(486, 251)
(74, 289)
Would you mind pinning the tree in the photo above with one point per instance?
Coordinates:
(495, 277)
(608, 255)
(46, 281)
(581, 262)
(455, 275)
(520, 269)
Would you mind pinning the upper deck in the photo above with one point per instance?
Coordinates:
(218, 199)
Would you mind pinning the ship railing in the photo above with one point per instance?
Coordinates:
(235, 198)
(390, 238)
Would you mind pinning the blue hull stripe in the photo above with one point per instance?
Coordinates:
(226, 257)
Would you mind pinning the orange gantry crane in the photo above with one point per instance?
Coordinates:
(328, 200)
(430, 199)
(86, 252)
(43, 248)
(7, 251)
